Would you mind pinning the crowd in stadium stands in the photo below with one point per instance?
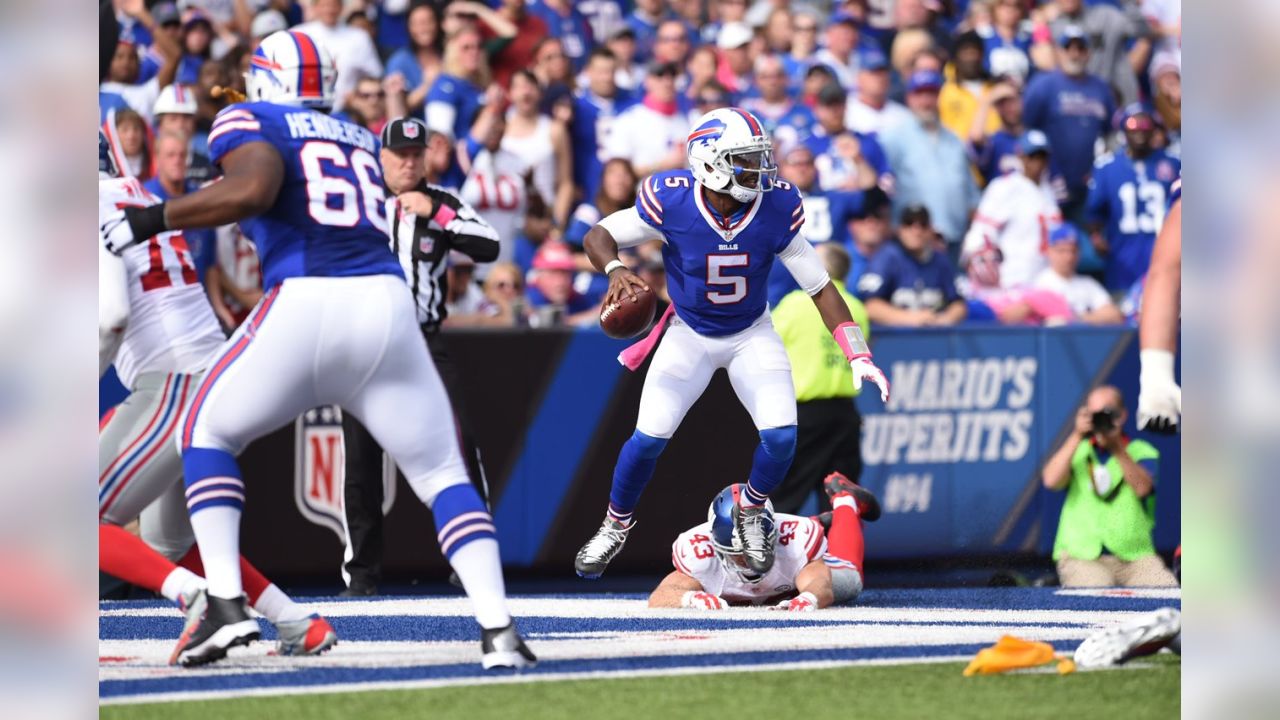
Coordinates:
(979, 160)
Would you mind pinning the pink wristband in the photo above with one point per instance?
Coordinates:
(444, 215)
(849, 337)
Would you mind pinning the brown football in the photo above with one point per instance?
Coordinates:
(627, 319)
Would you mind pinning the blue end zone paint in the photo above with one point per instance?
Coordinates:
(326, 676)
(427, 629)
(548, 462)
(416, 628)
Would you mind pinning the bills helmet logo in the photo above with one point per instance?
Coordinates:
(707, 132)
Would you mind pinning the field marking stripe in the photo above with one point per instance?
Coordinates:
(512, 679)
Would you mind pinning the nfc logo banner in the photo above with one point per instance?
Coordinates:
(320, 470)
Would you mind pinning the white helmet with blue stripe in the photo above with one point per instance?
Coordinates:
(291, 68)
(730, 152)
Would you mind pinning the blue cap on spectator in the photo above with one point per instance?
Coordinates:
(1130, 111)
(872, 58)
(924, 80)
(1072, 33)
(1033, 141)
(1064, 232)
(846, 18)
(165, 13)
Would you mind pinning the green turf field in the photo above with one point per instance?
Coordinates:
(1149, 688)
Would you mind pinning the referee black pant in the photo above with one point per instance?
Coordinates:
(828, 439)
(363, 486)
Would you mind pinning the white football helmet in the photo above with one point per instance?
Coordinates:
(291, 68)
(175, 99)
(730, 152)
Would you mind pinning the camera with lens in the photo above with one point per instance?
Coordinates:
(1104, 420)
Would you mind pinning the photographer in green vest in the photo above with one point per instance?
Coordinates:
(1104, 534)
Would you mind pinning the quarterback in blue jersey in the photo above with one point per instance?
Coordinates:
(723, 222)
(334, 327)
(1128, 196)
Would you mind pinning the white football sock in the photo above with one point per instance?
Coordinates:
(218, 535)
(844, 500)
(179, 582)
(278, 607)
(480, 569)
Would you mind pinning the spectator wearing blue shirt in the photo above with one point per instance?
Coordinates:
(644, 21)
(171, 181)
(553, 292)
(167, 21)
(567, 25)
(996, 153)
(911, 283)
(846, 160)
(197, 44)
(418, 61)
(1007, 41)
(595, 108)
(804, 43)
(827, 214)
(930, 164)
(1073, 108)
(1128, 197)
(617, 192)
(784, 119)
(458, 92)
(839, 53)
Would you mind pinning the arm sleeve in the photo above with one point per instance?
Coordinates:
(805, 266)
(467, 232)
(629, 230)
(113, 306)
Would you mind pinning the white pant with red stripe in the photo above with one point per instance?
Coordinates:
(139, 466)
(353, 342)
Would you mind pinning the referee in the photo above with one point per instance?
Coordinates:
(828, 426)
(425, 221)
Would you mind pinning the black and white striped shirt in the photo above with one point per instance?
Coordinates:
(423, 248)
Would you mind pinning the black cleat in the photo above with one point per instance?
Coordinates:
(868, 506)
(756, 534)
(225, 624)
(359, 589)
(504, 648)
(594, 557)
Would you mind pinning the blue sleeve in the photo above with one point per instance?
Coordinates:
(1035, 102)
(1152, 466)
(444, 90)
(875, 154)
(233, 127)
(846, 205)
(404, 63)
(793, 206)
(647, 201)
(472, 147)
(1095, 206)
(582, 220)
